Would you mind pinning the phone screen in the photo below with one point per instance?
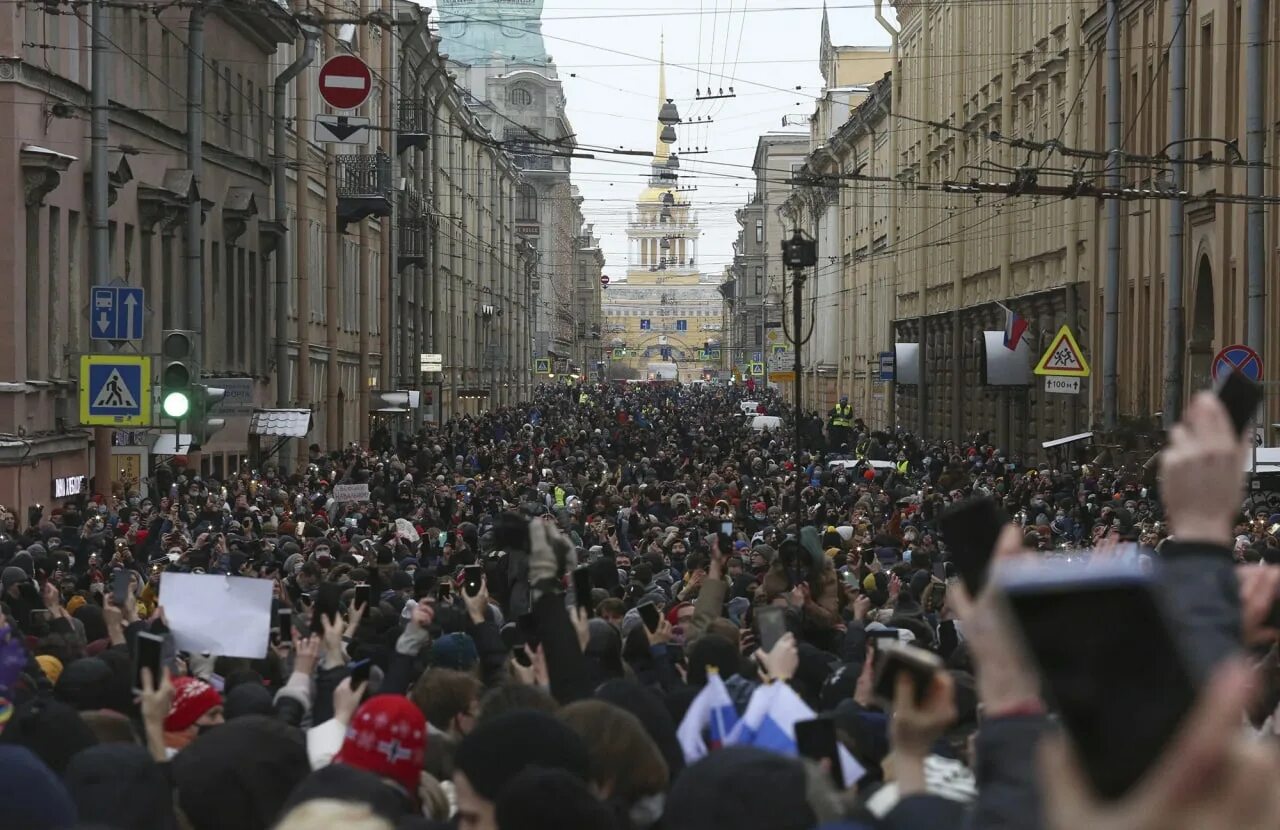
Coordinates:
(326, 605)
(649, 614)
(444, 589)
(816, 740)
(582, 587)
(284, 623)
(1105, 652)
(895, 657)
(1241, 397)
(360, 671)
(772, 624)
(971, 530)
(363, 595)
(148, 653)
(727, 529)
(529, 628)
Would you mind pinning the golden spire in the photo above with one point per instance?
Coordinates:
(663, 151)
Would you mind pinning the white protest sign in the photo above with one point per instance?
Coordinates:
(228, 616)
(350, 492)
(407, 530)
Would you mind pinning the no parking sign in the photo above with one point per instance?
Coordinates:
(1239, 357)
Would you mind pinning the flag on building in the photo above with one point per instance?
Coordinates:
(711, 711)
(1014, 328)
(770, 723)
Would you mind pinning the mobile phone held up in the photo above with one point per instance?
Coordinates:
(971, 530)
(771, 624)
(1108, 661)
(148, 652)
(363, 595)
(816, 741)
(893, 658)
(582, 588)
(1241, 397)
(649, 615)
(473, 579)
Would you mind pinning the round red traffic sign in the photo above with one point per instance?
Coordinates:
(604, 280)
(1237, 357)
(345, 82)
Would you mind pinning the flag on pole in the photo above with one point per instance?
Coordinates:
(711, 711)
(1014, 328)
(770, 723)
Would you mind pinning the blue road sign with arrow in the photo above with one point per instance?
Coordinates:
(116, 313)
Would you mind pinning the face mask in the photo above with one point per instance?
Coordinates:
(203, 728)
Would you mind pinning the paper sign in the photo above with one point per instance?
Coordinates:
(407, 530)
(228, 616)
(351, 492)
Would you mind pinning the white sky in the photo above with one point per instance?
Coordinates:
(606, 52)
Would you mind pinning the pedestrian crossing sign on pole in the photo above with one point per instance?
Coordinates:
(1064, 358)
(115, 390)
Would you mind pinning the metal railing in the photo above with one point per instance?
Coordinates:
(364, 176)
(413, 116)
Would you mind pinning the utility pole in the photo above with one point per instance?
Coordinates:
(798, 253)
(1255, 139)
(100, 235)
(1174, 327)
(1111, 292)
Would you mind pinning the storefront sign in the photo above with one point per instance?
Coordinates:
(68, 487)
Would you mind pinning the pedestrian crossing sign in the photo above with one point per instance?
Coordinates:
(115, 390)
(1064, 358)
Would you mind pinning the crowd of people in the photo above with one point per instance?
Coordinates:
(560, 615)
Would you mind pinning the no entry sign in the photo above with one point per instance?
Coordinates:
(1237, 357)
(345, 82)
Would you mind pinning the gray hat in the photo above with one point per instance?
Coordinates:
(13, 576)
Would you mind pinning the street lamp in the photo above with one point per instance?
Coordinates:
(669, 116)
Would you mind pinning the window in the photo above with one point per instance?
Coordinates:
(682, 325)
(520, 97)
(759, 280)
(1206, 78)
(526, 204)
(759, 230)
(644, 325)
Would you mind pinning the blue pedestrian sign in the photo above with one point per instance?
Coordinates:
(115, 390)
(888, 366)
(116, 313)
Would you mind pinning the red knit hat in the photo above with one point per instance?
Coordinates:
(192, 697)
(388, 737)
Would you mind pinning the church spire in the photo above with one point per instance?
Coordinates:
(662, 151)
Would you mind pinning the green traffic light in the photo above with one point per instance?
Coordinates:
(176, 405)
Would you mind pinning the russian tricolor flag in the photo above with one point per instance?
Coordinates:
(713, 711)
(1014, 328)
(770, 723)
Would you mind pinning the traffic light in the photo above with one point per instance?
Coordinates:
(178, 373)
(201, 427)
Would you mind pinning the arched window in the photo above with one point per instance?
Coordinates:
(520, 97)
(526, 204)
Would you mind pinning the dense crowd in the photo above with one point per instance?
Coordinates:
(606, 609)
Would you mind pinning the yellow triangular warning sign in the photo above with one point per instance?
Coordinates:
(1064, 358)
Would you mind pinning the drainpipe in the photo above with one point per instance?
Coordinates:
(1111, 292)
(195, 163)
(1255, 139)
(1174, 336)
(895, 105)
(278, 91)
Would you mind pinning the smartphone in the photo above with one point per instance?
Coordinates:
(727, 529)
(326, 605)
(971, 530)
(1104, 648)
(148, 653)
(442, 539)
(529, 629)
(771, 623)
(120, 586)
(360, 671)
(473, 579)
(284, 623)
(582, 588)
(1241, 397)
(301, 529)
(364, 594)
(816, 740)
(39, 615)
(444, 590)
(649, 614)
(893, 658)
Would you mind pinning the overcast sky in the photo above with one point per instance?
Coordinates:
(606, 52)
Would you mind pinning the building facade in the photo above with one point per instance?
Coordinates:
(665, 320)
(356, 244)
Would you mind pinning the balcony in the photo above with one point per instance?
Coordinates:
(364, 187)
(411, 127)
(413, 231)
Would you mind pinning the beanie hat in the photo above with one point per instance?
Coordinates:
(454, 651)
(498, 750)
(192, 698)
(49, 728)
(388, 737)
(33, 796)
(11, 576)
(73, 605)
(50, 665)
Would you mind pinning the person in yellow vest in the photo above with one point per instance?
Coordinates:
(560, 494)
(839, 422)
(584, 399)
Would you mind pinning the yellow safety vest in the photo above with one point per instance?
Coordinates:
(560, 494)
(584, 398)
(902, 466)
(843, 416)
